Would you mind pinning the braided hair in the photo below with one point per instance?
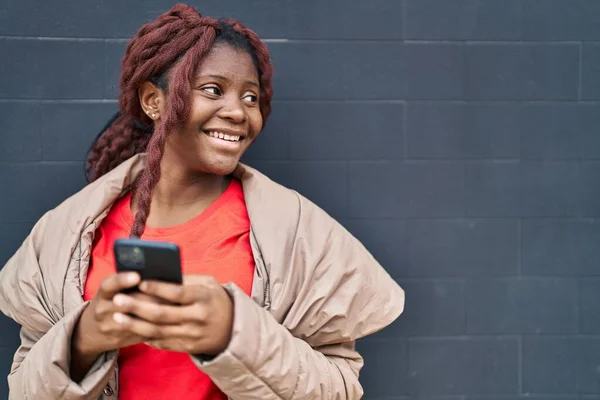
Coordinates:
(167, 52)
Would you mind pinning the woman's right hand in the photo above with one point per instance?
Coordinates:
(98, 329)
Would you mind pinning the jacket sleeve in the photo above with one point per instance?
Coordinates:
(331, 293)
(41, 365)
(265, 361)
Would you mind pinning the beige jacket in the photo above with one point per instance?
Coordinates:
(316, 290)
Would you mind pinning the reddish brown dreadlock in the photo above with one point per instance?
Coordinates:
(167, 52)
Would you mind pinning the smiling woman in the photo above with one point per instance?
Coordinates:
(275, 292)
(234, 78)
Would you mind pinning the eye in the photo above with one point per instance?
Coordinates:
(251, 98)
(212, 90)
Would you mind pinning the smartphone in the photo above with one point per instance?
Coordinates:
(153, 260)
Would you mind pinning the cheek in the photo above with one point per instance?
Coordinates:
(256, 122)
(201, 109)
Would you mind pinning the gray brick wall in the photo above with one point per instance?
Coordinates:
(458, 139)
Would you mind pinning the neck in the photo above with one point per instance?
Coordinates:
(182, 189)
(181, 195)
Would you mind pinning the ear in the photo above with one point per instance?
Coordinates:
(152, 99)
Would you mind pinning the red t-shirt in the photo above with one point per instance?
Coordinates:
(215, 243)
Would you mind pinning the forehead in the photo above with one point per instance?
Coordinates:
(227, 61)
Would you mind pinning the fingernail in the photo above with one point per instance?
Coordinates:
(143, 286)
(120, 300)
(132, 278)
(119, 318)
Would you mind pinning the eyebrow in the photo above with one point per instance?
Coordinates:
(216, 76)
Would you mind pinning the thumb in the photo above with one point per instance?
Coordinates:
(194, 279)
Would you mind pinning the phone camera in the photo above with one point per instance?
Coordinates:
(132, 257)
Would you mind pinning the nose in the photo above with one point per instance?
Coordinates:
(233, 110)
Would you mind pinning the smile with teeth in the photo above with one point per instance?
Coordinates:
(219, 135)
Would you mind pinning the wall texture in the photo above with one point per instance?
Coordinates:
(457, 138)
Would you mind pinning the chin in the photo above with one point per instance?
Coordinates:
(221, 167)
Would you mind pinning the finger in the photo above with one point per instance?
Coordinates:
(138, 327)
(118, 282)
(151, 311)
(171, 292)
(103, 308)
(144, 297)
(205, 285)
(149, 330)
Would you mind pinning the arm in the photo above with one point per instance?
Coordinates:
(41, 366)
(264, 361)
(328, 292)
(83, 357)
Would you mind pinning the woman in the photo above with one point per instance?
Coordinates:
(275, 291)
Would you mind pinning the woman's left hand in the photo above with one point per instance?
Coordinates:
(198, 319)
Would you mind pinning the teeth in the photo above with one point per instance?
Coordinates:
(220, 135)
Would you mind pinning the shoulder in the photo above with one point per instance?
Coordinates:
(320, 274)
(272, 201)
(255, 183)
(281, 217)
(87, 204)
(268, 201)
(278, 207)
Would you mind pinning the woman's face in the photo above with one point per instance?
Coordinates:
(225, 116)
